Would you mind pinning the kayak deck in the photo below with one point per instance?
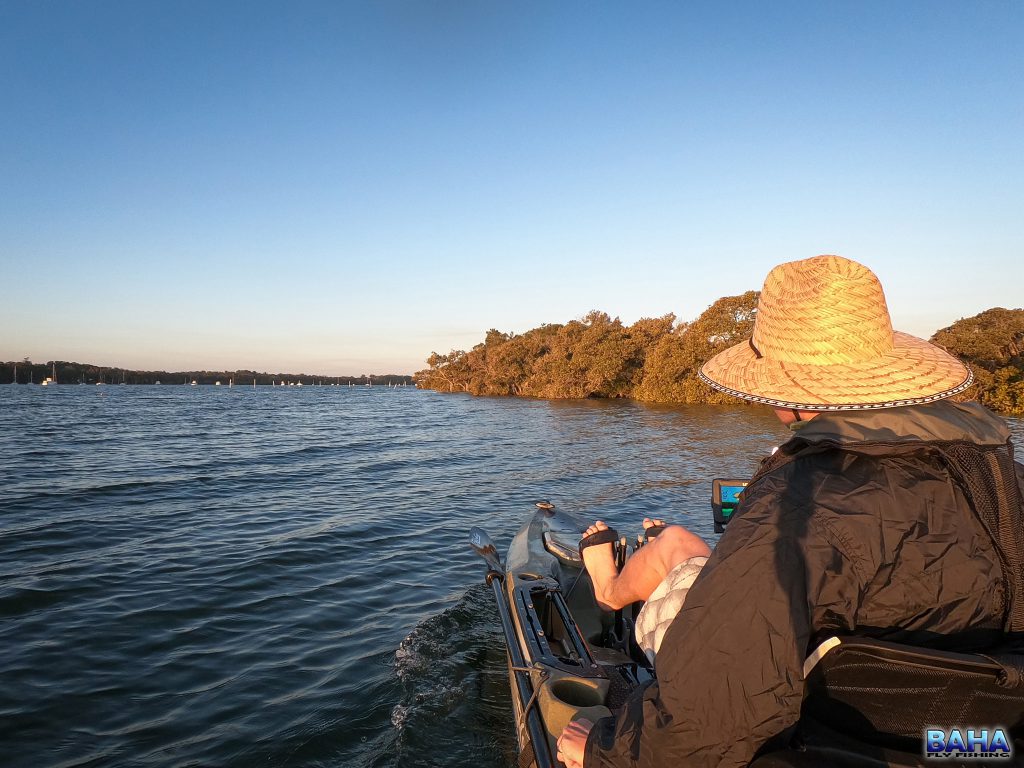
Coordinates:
(577, 654)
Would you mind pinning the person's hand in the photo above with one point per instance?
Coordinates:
(573, 741)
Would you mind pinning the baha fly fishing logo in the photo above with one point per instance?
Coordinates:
(968, 743)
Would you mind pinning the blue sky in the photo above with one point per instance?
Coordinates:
(345, 187)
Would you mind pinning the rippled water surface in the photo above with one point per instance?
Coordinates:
(280, 577)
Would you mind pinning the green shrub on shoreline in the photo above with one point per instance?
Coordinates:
(992, 344)
(656, 360)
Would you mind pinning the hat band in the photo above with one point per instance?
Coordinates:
(843, 407)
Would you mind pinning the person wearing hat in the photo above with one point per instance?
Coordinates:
(892, 512)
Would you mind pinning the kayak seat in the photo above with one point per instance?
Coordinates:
(868, 702)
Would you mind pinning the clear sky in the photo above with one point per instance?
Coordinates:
(343, 188)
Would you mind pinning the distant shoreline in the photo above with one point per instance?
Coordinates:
(27, 372)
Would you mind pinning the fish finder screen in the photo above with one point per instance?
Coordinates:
(731, 494)
(725, 499)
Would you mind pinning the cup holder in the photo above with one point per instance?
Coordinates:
(576, 693)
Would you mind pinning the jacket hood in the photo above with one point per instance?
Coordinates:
(940, 421)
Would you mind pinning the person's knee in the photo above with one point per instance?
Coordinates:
(675, 544)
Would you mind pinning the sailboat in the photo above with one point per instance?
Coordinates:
(51, 380)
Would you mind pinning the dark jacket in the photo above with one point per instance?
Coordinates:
(855, 527)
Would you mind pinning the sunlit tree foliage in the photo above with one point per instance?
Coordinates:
(657, 359)
(595, 356)
(992, 344)
(671, 372)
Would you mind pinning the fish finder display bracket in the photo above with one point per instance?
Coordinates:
(725, 497)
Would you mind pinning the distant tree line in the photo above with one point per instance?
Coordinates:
(656, 360)
(84, 373)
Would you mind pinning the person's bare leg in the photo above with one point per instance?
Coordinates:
(644, 570)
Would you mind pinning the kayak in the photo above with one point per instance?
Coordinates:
(568, 658)
(867, 702)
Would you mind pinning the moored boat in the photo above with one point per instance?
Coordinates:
(51, 380)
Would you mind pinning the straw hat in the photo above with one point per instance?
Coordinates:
(823, 341)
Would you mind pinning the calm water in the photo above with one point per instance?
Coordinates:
(280, 577)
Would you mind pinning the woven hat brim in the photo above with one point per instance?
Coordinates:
(914, 372)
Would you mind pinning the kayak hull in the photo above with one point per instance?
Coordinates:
(579, 665)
